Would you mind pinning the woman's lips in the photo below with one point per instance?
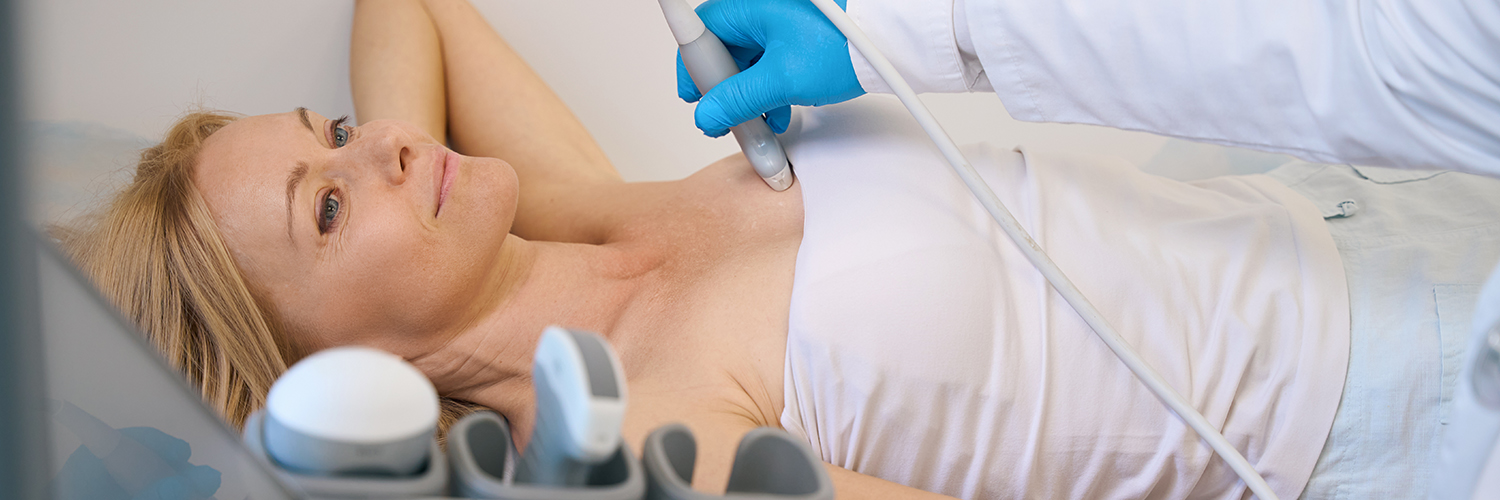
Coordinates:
(447, 173)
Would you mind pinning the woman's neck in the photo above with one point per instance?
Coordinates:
(587, 287)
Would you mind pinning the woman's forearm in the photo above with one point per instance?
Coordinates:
(499, 107)
(396, 65)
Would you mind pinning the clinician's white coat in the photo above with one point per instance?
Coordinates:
(1406, 83)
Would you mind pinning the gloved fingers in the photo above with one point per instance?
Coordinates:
(744, 57)
(779, 118)
(739, 98)
(198, 481)
(169, 488)
(735, 22)
(83, 477)
(686, 89)
(174, 451)
(205, 480)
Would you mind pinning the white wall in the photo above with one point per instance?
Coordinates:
(136, 64)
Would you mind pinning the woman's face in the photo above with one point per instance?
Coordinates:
(375, 235)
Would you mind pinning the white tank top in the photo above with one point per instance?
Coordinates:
(925, 350)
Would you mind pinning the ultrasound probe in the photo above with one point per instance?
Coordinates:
(709, 63)
(580, 407)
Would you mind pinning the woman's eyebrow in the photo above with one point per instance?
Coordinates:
(291, 190)
(296, 177)
(302, 113)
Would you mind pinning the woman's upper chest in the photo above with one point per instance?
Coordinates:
(714, 324)
(730, 248)
(727, 246)
(719, 233)
(723, 209)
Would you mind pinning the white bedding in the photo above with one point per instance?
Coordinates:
(924, 349)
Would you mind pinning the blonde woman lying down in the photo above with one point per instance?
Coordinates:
(872, 309)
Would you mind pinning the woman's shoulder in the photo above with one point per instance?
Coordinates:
(725, 203)
(730, 201)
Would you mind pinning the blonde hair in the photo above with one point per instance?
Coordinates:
(155, 251)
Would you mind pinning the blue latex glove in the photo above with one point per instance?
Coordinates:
(788, 53)
(84, 476)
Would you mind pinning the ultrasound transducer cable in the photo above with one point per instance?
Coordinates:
(1039, 258)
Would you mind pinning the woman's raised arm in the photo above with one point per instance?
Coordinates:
(396, 65)
(499, 107)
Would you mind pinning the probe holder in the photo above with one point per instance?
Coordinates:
(484, 458)
(432, 481)
(769, 465)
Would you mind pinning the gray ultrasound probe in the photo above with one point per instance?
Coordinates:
(709, 63)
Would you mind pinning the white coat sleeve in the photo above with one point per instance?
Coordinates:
(1407, 83)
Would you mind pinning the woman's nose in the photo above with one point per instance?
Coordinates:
(394, 149)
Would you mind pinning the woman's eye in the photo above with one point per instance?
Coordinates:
(329, 213)
(340, 132)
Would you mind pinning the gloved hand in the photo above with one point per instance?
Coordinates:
(84, 476)
(788, 53)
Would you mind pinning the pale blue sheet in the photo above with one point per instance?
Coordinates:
(1416, 246)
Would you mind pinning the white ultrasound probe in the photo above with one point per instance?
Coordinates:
(580, 393)
(351, 410)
